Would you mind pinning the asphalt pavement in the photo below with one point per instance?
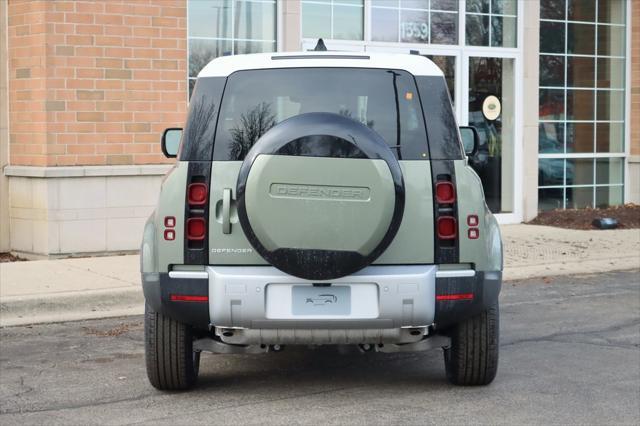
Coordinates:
(570, 353)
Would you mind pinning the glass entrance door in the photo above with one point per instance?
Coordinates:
(491, 110)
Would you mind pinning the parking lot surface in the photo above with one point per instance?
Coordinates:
(570, 353)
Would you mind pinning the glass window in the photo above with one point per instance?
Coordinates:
(333, 19)
(550, 199)
(416, 21)
(609, 195)
(582, 74)
(228, 27)
(579, 198)
(579, 137)
(579, 171)
(580, 71)
(552, 9)
(552, 37)
(551, 138)
(448, 66)
(491, 23)
(609, 137)
(385, 24)
(551, 70)
(609, 171)
(379, 99)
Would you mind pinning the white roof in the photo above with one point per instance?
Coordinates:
(226, 65)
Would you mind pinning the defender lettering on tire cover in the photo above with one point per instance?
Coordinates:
(330, 211)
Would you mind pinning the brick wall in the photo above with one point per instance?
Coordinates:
(95, 82)
(635, 79)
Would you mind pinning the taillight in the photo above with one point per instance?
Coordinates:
(188, 298)
(447, 227)
(197, 194)
(196, 229)
(445, 192)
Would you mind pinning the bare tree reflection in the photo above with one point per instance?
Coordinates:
(253, 125)
(201, 122)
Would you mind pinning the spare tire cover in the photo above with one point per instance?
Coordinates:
(320, 196)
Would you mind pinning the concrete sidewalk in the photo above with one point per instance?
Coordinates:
(71, 289)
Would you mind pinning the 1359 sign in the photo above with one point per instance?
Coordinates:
(414, 31)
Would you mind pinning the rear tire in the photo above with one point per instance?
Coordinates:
(472, 359)
(171, 362)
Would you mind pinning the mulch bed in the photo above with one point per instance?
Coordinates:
(628, 216)
(8, 257)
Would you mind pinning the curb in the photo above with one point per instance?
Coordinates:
(70, 306)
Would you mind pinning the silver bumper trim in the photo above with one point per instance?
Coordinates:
(193, 275)
(458, 273)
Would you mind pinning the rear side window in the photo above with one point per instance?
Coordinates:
(384, 100)
(444, 141)
(197, 138)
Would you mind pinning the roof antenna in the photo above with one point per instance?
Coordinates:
(320, 47)
(414, 52)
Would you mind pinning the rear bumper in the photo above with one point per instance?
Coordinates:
(236, 299)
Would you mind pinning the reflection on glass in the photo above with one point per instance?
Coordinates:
(551, 70)
(552, 9)
(580, 71)
(551, 138)
(444, 5)
(551, 37)
(316, 20)
(414, 26)
(550, 172)
(609, 171)
(348, 23)
(385, 101)
(503, 31)
(581, 38)
(610, 105)
(610, 137)
(580, 104)
(447, 65)
(210, 18)
(243, 47)
(579, 198)
(579, 137)
(494, 159)
(550, 199)
(580, 10)
(444, 28)
(504, 7)
(384, 24)
(255, 20)
(609, 196)
(478, 6)
(551, 104)
(612, 11)
(611, 40)
(611, 72)
(579, 171)
(201, 52)
(477, 30)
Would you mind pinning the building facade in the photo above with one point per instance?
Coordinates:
(87, 87)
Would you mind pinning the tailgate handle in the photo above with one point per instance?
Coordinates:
(226, 211)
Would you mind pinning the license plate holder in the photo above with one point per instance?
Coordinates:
(309, 300)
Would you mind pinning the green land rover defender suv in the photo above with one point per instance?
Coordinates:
(320, 198)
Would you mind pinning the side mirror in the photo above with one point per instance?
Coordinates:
(171, 142)
(470, 140)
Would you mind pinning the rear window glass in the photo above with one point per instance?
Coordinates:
(385, 100)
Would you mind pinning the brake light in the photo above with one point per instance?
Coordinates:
(459, 296)
(197, 194)
(188, 298)
(447, 227)
(196, 229)
(445, 192)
